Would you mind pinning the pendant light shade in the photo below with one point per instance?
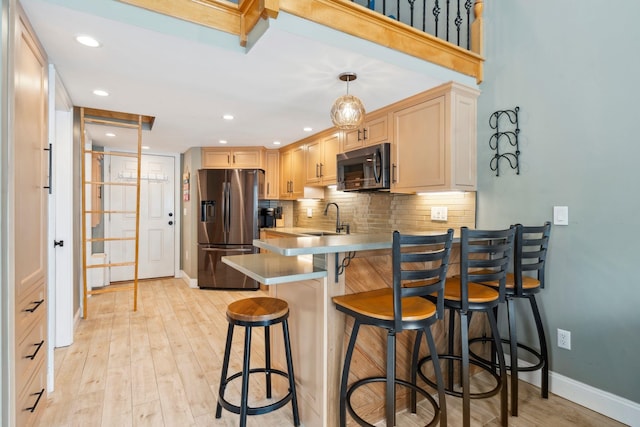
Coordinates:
(347, 111)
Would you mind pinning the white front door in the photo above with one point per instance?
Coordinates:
(157, 217)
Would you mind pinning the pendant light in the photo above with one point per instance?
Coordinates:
(347, 111)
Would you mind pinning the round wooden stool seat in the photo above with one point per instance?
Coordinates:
(259, 309)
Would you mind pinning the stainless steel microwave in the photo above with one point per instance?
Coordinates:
(365, 169)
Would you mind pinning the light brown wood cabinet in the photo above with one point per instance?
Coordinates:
(292, 172)
(320, 159)
(434, 141)
(28, 343)
(221, 158)
(374, 130)
(272, 172)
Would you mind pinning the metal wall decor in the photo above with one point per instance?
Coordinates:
(509, 149)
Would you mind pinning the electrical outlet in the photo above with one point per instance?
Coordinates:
(309, 212)
(439, 213)
(564, 339)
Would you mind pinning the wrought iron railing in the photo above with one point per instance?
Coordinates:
(449, 20)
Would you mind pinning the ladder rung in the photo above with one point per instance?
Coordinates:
(112, 153)
(111, 288)
(110, 212)
(129, 184)
(115, 264)
(109, 239)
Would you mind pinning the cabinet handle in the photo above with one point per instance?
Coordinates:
(234, 159)
(393, 173)
(317, 175)
(50, 186)
(364, 131)
(38, 347)
(268, 188)
(228, 159)
(35, 307)
(321, 170)
(359, 135)
(35, 405)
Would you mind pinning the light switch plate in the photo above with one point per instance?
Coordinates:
(309, 212)
(439, 213)
(561, 215)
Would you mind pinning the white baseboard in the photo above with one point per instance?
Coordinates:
(192, 283)
(603, 402)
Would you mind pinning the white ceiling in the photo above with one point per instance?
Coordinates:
(188, 76)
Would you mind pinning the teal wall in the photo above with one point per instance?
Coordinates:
(572, 67)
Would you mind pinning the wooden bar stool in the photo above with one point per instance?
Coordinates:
(420, 266)
(527, 279)
(250, 313)
(484, 256)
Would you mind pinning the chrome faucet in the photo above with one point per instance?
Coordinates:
(339, 226)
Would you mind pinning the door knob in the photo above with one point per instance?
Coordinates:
(170, 222)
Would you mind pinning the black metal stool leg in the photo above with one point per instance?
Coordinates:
(543, 347)
(451, 349)
(292, 381)
(390, 390)
(513, 349)
(414, 370)
(345, 374)
(244, 398)
(442, 402)
(503, 370)
(225, 369)
(267, 357)
(464, 369)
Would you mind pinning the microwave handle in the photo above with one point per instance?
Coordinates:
(377, 167)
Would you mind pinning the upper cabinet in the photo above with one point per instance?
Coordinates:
(320, 159)
(242, 157)
(292, 172)
(272, 171)
(434, 141)
(374, 130)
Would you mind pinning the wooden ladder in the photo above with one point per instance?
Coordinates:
(95, 185)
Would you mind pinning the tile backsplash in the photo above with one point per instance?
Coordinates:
(383, 212)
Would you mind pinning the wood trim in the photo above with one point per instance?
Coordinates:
(341, 15)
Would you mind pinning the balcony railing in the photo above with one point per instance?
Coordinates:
(445, 32)
(449, 20)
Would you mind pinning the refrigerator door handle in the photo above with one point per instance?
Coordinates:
(227, 218)
(227, 250)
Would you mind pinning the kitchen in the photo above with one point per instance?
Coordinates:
(496, 196)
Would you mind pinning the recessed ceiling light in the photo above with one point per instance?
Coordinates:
(110, 134)
(307, 129)
(227, 117)
(222, 141)
(276, 142)
(100, 92)
(87, 40)
(145, 147)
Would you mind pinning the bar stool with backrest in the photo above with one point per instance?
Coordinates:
(250, 313)
(420, 266)
(527, 279)
(484, 256)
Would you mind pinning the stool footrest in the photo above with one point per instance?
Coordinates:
(436, 409)
(260, 409)
(535, 353)
(450, 392)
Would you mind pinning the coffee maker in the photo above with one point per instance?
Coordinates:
(267, 216)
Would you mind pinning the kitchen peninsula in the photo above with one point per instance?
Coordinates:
(307, 272)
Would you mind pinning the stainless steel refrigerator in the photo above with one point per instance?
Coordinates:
(228, 201)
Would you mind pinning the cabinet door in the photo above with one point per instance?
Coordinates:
(285, 174)
(377, 130)
(245, 158)
(272, 190)
(419, 146)
(352, 139)
(297, 173)
(313, 160)
(214, 158)
(328, 168)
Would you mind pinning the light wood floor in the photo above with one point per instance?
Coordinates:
(160, 366)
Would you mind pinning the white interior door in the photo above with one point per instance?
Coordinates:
(157, 217)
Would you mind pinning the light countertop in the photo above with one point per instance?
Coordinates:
(315, 245)
(273, 269)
